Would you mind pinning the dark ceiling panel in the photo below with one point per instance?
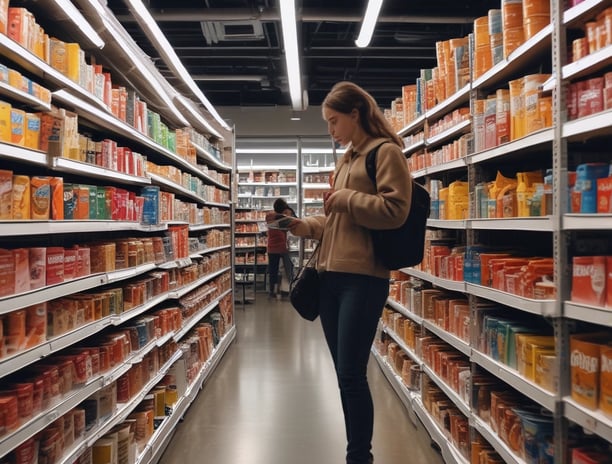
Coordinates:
(250, 70)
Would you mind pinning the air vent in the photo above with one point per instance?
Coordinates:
(228, 31)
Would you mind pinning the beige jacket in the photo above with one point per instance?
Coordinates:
(346, 244)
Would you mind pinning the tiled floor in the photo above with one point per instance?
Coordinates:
(274, 400)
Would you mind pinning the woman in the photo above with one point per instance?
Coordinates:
(354, 282)
(277, 247)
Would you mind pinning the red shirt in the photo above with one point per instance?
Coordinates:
(277, 239)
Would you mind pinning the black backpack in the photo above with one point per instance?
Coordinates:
(404, 246)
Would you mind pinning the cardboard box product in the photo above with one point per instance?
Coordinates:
(605, 384)
(589, 280)
(40, 191)
(21, 198)
(7, 272)
(55, 265)
(585, 357)
(6, 194)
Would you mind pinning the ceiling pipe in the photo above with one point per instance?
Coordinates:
(242, 14)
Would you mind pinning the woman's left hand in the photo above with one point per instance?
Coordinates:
(337, 202)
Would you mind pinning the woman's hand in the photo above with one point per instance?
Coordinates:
(336, 201)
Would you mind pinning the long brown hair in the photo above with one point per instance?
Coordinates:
(346, 96)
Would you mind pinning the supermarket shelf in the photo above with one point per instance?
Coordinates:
(587, 221)
(413, 125)
(204, 154)
(541, 307)
(596, 125)
(460, 97)
(123, 274)
(267, 184)
(450, 454)
(192, 286)
(23, 300)
(594, 421)
(190, 324)
(516, 381)
(504, 450)
(586, 313)
(317, 186)
(447, 224)
(534, 141)
(414, 147)
(24, 358)
(539, 224)
(45, 418)
(406, 312)
(448, 337)
(400, 341)
(15, 228)
(591, 63)
(450, 165)
(23, 97)
(404, 394)
(453, 285)
(583, 10)
(178, 263)
(136, 311)
(458, 129)
(96, 172)
(22, 154)
(317, 169)
(448, 391)
(174, 187)
(527, 52)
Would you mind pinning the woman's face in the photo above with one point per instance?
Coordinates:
(341, 126)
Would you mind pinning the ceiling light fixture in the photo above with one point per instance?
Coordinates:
(79, 20)
(369, 22)
(295, 116)
(166, 50)
(292, 56)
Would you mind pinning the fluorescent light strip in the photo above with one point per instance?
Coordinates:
(197, 115)
(77, 18)
(130, 49)
(369, 22)
(167, 52)
(292, 56)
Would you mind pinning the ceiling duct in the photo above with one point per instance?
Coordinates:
(232, 31)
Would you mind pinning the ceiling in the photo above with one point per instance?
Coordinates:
(234, 51)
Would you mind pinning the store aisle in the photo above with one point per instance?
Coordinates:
(274, 400)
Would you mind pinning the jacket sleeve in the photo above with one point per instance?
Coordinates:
(315, 225)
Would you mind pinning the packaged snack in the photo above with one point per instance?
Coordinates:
(21, 198)
(38, 267)
(7, 272)
(22, 270)
(41, 197)
(585, 353)
(6, 194)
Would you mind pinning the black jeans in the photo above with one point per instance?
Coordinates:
(350, 308)
(273, 266)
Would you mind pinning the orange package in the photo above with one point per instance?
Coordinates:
(6, 194)
(7, 272)
(57, 198)
(41, 197)
(605, 382)
(21, 197)
(585, 353)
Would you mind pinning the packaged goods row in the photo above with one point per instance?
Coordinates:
(46, 198)
(29, 327)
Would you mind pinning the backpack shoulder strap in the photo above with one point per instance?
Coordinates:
(371, 163)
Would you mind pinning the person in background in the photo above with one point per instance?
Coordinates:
(277, 248)
(354, 284)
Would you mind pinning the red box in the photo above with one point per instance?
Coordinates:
(55, 265)
(589, 280)
(7, 273)
(604, 195)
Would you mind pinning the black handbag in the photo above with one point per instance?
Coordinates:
(304, 290)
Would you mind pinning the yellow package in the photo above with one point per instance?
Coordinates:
(21, 197)
(17, 126)
(32, 131)
(605, 381)
(5, 122)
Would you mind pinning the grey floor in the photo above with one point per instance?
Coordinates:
(274, 400)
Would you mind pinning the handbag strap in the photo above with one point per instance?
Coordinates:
(314, 257)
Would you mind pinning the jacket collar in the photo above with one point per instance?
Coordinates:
(364, 147)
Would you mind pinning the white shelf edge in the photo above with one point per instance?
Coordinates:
(447, 223)
(540, 307)
(406, 312)
(442, 108)
(588, 63)
(588, 126)
(532, 223)
(209, 157)
(24, 97)
(504, 451)
(22, 154)
(594, 421)
(403, 345)
(457, 129)
(95, 171)
(530, 140)
(448, 337)
(416, 123)
(453, 285)
(587, 221)
(587, 313)
(176, 188)
(576, 12)
(448, 391)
